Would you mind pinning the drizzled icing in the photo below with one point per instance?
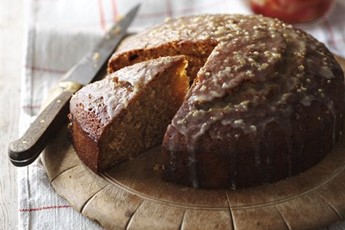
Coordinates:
(257, 74)
(260, 72)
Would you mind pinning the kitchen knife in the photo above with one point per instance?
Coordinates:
(25, 150)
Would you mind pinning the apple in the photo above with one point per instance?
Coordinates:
(291, 11)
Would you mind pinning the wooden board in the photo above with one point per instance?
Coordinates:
(132, 195)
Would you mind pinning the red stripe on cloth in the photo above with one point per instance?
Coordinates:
(331, 38)
(44, 208)
(168, 8)
(101, 14)
(115, 10)
(35, 68)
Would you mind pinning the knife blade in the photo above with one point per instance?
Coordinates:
(26, 149)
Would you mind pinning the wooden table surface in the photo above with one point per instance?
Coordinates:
(11, 53)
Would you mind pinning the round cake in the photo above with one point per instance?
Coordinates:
(266, 100)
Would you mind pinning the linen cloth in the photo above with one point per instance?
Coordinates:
(59, 33)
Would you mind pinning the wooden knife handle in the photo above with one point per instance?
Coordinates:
(25, 150)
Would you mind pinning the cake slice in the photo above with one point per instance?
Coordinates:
(126, 113)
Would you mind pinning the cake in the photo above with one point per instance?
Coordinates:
(117, 118)
(266, 100)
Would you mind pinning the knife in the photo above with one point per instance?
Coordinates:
(25, 150)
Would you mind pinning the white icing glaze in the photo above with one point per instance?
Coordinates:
(257, 74)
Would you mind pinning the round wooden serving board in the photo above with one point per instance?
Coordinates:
(132, 195)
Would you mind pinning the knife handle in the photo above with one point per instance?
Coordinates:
(25, 150)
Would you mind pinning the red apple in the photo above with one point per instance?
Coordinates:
(291, 11)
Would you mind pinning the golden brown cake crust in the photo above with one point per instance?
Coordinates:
(268, 103)
(120, 116)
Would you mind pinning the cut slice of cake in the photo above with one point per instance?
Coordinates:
(126, 113)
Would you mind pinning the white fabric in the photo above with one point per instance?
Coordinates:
(59, 33)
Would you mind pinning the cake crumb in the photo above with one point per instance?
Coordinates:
(158, 167)
(96, 56)
(116, 30)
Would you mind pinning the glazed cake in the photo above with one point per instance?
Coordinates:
(266, 100)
